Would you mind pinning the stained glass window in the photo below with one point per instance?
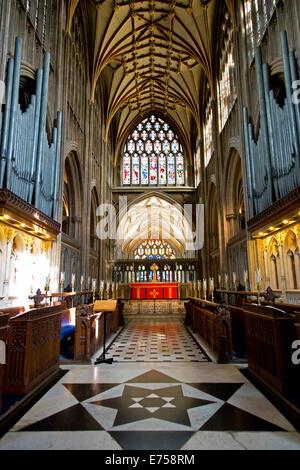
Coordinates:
(135, 135)
(157, 146)
(162, 170)
(153, 155)
(153, 169)
(171, 169)
(258, 14)
(180, 169)
(131, 146)
(135, 169)
(144, 169)
(207, 133)
(155, 249)
(140, 146)
(126, 169)
(227, 91)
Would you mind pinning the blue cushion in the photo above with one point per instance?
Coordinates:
(67, 331)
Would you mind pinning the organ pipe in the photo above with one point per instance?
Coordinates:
(29, 165)
(272, 160)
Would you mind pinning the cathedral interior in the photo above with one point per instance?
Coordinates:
(149, 225)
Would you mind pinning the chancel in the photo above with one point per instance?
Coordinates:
(149, 225)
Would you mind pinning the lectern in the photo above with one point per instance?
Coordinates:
(104, 306)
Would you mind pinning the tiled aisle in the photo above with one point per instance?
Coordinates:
(155, 406)
(161, 339)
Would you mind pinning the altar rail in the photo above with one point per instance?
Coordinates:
(237, 298)
(213, 323)
(33, 348)
(270, 335)
(89, 330)
(71, 299)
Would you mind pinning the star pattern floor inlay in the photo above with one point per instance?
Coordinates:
(152, 406)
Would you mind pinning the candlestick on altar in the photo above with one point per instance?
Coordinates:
(246, 279)
(47, 285)
(205, 288)
(62, 281)
(81, 283)
(219, 281)
(101, 289)
(194, 289)
(212, 287)
(226, 281)
(234, 280)
(73, 282)
(199, 288)
(94, 290)
(89, 283)
(258, 276)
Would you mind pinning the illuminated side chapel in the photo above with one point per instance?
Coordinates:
(150, 212)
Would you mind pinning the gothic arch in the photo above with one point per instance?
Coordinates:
(18, 244)
(234, 194)
(72, 196)
(157, 194)
(272, 263)
(291, 254)
(150, 212)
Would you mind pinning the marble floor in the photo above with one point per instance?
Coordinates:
(162, 339)
(130, 405)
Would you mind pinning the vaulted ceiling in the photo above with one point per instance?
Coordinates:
(156, 55)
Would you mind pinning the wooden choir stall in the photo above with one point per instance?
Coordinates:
(31, 343)
(261, 335)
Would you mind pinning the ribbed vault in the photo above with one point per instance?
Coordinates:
(156, 56)
(154, 217)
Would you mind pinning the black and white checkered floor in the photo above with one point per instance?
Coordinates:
(157, 339)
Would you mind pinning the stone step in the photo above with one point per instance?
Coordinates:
(164, 307)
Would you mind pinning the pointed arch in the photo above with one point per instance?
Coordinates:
(153, 155)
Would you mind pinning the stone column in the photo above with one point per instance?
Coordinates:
(231, 219)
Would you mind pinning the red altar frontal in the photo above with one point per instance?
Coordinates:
(154, 291)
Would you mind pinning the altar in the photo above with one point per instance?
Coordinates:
(154, 291)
